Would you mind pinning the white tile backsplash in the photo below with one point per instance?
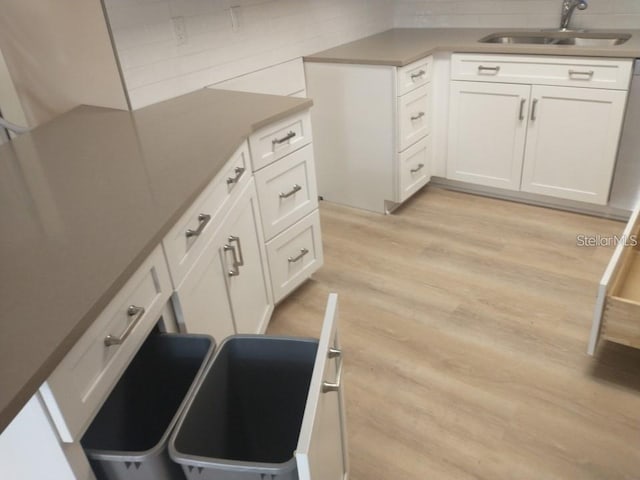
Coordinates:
(514, 13)
(156, 66)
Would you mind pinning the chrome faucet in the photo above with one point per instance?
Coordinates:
(568, 6)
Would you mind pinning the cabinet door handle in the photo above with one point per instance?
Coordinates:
(296, 188)
(238, 173)
(288, 136)
(418, 74)
(303, 252)
(234, 271)
(334, 387)
(132, 311)
(581, 74)
(418, 116)
(495, 70)
(521, 114)
(203, 219)
(534, 105)
(418, 168)
(235, 239)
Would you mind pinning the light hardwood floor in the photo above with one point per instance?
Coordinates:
(464, 322)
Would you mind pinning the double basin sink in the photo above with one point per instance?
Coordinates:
(577, 38)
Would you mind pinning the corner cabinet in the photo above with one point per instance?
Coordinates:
(541, 125)
(372, 129)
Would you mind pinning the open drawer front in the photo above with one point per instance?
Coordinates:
(267, 407)
(617, 311)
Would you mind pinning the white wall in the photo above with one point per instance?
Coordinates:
(514, 13)
(158, 65)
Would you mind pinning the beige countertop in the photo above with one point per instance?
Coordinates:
(401, 46)
(85, 198)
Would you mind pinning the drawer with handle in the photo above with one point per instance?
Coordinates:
(414, 168)
(543, 70)
(414, 75)
(294, 255)
(186, 240)
(414, 116)
(279, 139)
(287, 191)
(77, 387)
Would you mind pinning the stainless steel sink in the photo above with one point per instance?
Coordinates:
(583, 39)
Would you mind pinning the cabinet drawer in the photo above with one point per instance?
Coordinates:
(414, 114)
(414, 75)
(287, 191)
(542, 70)
(279, 139)
(617, 311)
(81, 382)
(414, 164)
(294, 255)
(186, 240)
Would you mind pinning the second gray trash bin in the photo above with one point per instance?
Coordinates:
(244, 419)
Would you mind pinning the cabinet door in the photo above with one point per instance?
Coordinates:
(487, 131)
(201, 302)
(572, 142)
(245, 265)
(321, 453)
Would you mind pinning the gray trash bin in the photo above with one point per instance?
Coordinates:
(244, 419)
(128, 438)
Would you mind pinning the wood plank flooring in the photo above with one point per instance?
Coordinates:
(464, 322)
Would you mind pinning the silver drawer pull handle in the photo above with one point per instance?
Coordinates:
(418, 74)
(418, 116)
(303, 252)
(583, 75)
(238, 173)
(235, 270)
(521, 114)
(296, 188)
(203, 219)
(482, 68)
(334, 387)
(288, 136)
(534, 106)
(235, 239)
(418, 168)
(132, 311)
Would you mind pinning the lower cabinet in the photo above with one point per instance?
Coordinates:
(572, 141)
(552, 135)
(227, 290)
(487, 132)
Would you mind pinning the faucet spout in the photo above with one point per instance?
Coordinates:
(568, 7)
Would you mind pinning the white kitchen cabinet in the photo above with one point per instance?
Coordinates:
(487, 132)
(227, 290)
(285, 176)
(245, 260)
(321, 453)
(537, 124)
(365, 118)
(572, 142)
(30, 449)
(78, 386)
